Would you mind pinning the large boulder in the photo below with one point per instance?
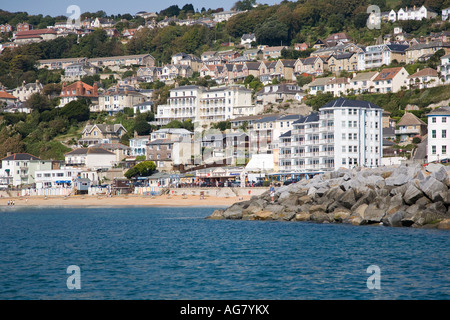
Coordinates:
(233, 212)
(321, 217)
(303, 216)
(217, 215)
(395, 204)
(434, 189)
(348, 199)
(444, 224)
(373, 214)
(412, 194)
(402, 175)
(341, 214)
(394, 219)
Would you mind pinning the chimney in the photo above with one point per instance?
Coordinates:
(95, 93)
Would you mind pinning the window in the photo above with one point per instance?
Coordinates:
(444, 149)
(349, 148)
(349, 124)
(343, 136)
(355, 136)
(355, 148)
(349, 136)
(433, 149)
(433, 120)
(444, 119)
(343, 149)
(343, 124)
(444, 133)
(433, 133)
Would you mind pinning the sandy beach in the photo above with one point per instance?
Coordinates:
(123, 201)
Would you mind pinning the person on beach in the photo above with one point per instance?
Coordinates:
(272, 191)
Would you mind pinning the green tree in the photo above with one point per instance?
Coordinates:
(143, 169)
(38, 102)
(77, 110)
(142, 127)
(272, 32)
(243, 5)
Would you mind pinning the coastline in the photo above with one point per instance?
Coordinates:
(121, 201)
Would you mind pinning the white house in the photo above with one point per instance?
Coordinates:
(445, 69)
(27, 90)
(438, 134)
(247, 39)
(415, 13)
(445, 14)
(92, 158)
(138, 145)
(61, 178)
(425, 78)
(21, 167)
(391, 80)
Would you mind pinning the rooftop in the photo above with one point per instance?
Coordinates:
(20, 157)
(410, 119)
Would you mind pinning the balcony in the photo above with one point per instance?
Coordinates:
(327, 153)
(407, 131)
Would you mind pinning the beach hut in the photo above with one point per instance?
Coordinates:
(82, 185)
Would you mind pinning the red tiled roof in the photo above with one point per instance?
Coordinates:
(6, 95)
(33, 33)
(387, 74)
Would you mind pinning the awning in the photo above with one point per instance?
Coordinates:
(60, 182)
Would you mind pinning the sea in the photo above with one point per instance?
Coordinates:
(163, 253)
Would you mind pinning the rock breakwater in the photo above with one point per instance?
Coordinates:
(404, 196)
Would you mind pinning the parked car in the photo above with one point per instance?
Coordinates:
(289, 181)
(235, 183)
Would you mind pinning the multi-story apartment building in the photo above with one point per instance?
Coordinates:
(379, 55)
(344, 133)
(439, 134)
(204, 105)
(265, 133)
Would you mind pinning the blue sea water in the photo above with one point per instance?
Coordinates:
(176, 254)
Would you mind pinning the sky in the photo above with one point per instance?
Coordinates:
(59, 8)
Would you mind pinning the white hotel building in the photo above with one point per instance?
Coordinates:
(206, 105)
(344, 133)
(439, 134)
